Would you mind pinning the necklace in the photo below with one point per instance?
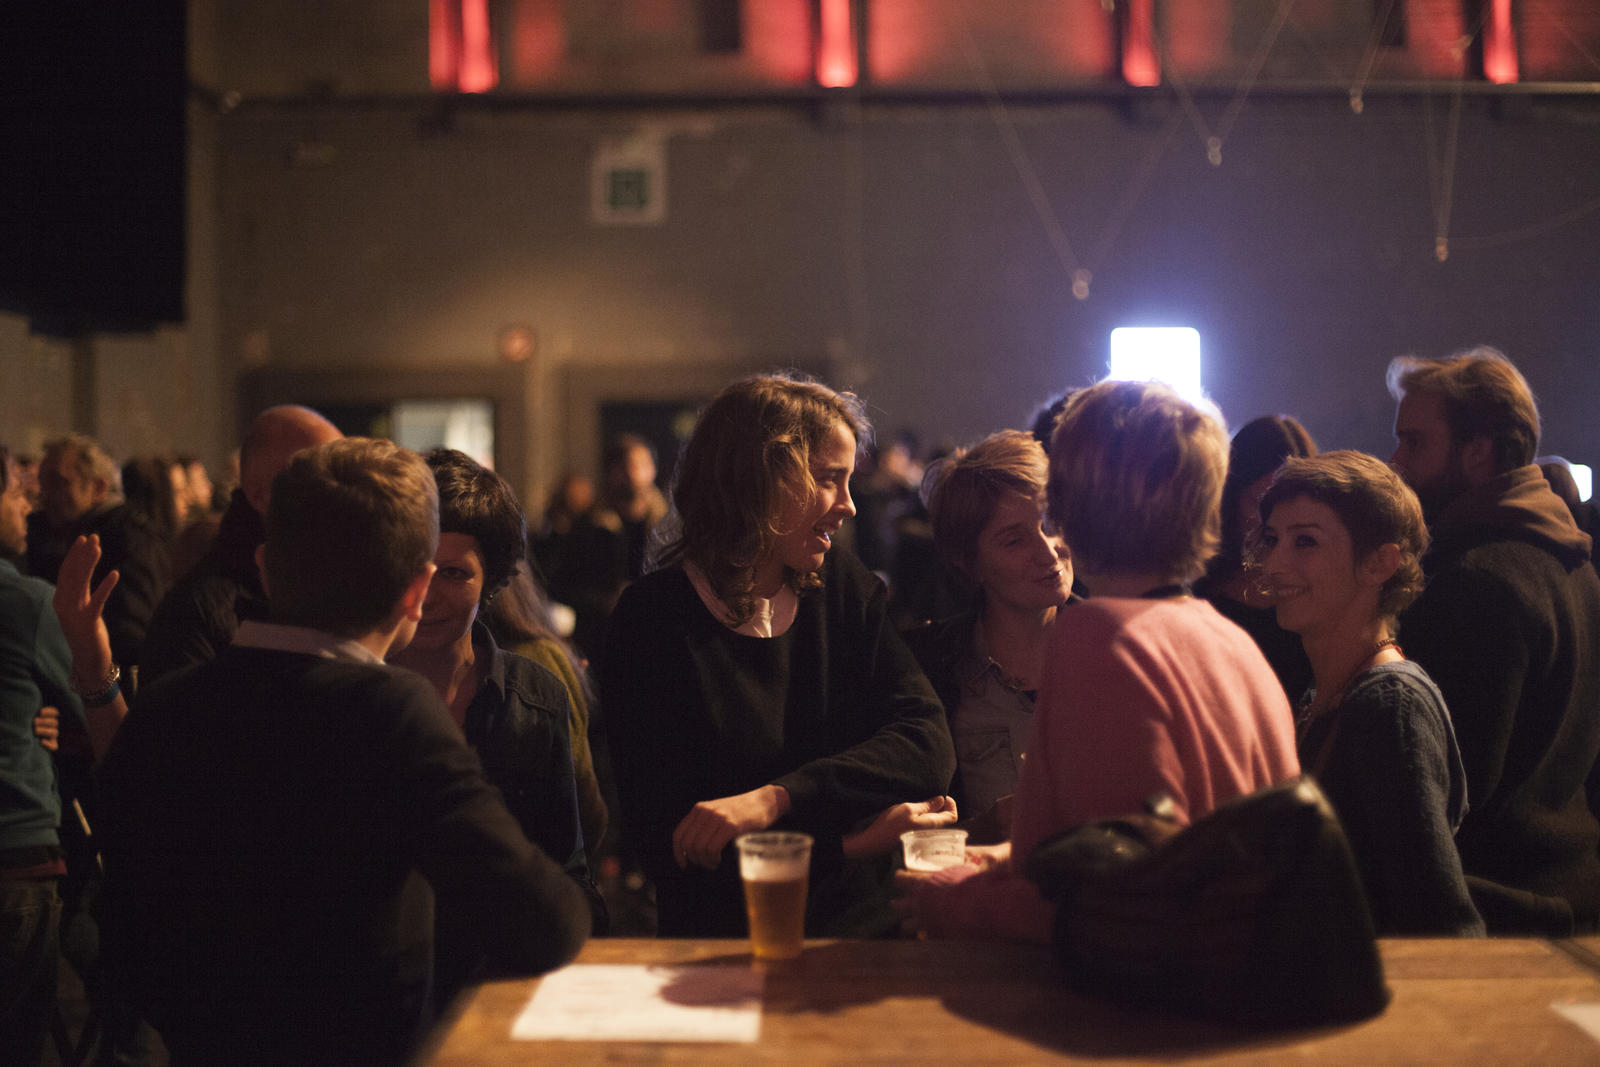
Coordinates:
(1337, 694)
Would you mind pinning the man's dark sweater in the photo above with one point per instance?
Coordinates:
(273, 823)
(1509, 629)
(198, 616)
(835, 710)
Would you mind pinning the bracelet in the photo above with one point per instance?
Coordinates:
(104, 692)
(100, 700)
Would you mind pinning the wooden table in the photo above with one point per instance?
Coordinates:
(1458, 1002)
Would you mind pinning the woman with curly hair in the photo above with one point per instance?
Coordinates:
(1339, 549)
(756, 681)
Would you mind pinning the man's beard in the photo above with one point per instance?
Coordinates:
(1442, 490)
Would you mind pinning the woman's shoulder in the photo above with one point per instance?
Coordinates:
(531, 684)
(1401, 684)
(1397, 699)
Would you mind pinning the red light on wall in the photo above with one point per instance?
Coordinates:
(461, 47)
(1140, 66)
(538, 41)
(778, 39)
(1499, 44)
(444, 44)
(836, 45)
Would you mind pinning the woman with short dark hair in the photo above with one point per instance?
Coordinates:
(514, 712)
(1340, 549)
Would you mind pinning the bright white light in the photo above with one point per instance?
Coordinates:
(1169, 354)
(1583, 474)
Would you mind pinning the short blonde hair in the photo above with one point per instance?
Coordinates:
(1136, 478)
(963, 489)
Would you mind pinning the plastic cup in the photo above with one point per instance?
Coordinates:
(932, 850)
(775, 868)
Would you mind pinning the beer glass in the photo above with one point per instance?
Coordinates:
(775, 867)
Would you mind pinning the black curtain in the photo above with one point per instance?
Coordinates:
(92, 163)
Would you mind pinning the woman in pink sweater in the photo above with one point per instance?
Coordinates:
(1146, 690)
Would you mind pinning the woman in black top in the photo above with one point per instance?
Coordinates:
(755, 680)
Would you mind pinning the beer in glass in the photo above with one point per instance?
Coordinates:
(775, 867)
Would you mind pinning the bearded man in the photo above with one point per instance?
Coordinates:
(1509, 628)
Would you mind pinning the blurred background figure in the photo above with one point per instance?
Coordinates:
(80, 494)
(200, 497)
(157, 489)
(885, 493)
(1258, 448)
(605, 546)
(570, 507)
(631, 503)
(1559, 474)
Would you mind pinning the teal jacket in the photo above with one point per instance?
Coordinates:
(34, 668)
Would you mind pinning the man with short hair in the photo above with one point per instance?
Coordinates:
(1509, 628)
(79, 494)
(198, 616)
(276, 818)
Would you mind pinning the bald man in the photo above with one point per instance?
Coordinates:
(198, 617)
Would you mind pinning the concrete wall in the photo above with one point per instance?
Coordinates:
(898, 245)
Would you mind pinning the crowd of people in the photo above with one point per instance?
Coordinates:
(348, 759)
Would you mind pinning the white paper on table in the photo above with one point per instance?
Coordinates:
(632, 1002)
(1586, 1016)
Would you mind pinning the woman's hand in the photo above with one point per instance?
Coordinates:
(81, 611)
(883, 833)
(711, 824)
(47, 728)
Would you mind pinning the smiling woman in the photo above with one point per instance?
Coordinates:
(755, 680)
(513, 712)
(1339, 547)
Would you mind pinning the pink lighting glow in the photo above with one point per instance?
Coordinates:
(1499, 45)
(1140, 66)
(461, 47)
(836, 45)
